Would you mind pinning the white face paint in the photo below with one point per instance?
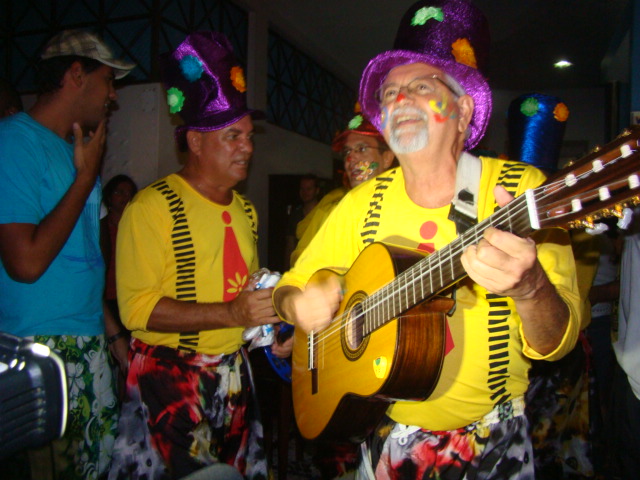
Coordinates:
(408, 129)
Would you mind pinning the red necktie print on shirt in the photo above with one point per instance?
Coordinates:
(428, 231)
(234, 268)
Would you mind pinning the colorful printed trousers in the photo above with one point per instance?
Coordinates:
(84, 452)
(184, 411)
(495, 447)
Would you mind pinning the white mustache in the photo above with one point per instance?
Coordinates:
(407, 111)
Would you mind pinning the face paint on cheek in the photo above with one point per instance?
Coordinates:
(384, 118)
(363, 170)
(441, 110)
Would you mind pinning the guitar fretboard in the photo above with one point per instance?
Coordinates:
(441, 269)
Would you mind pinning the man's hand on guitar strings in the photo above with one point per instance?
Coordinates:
(315, 307)
(504, 263)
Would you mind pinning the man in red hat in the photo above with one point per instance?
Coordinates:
(516, 298)
(186, 248)
(365, 155)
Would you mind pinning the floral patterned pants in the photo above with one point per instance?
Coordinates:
(84, 452)
(184, 411)
(495, 447)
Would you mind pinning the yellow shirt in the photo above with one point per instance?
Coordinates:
(310, 224)
(489, 358)
(202, 256)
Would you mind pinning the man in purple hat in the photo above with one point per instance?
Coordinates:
(52, 272)
(518, 300)
(186, 248)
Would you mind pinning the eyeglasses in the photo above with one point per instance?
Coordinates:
(358, 150)
(419, 87)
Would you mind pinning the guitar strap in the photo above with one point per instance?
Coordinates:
(464, 206)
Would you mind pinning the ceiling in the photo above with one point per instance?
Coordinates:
(528, 36)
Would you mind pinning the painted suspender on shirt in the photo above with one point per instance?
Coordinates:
(499, 312)
(185, 254)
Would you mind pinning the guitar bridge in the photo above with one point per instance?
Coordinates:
(310, 351)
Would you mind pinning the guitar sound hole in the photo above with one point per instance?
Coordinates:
(355, 327)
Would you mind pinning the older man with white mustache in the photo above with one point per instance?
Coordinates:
(516, 298)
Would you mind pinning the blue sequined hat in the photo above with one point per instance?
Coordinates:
(536, 125)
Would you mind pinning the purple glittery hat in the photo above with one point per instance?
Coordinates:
(452, 35)
(205, 84)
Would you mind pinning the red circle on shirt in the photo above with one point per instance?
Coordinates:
(428, 230)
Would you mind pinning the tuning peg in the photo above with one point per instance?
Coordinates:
(625, 151)
(604, 194)
(576, 205)
(598, 166)
(634, 181)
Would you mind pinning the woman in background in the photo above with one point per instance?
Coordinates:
(116, 194)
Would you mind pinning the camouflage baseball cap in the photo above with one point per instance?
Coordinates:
(85, 44)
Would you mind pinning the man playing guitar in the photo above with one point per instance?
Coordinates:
(519, 302)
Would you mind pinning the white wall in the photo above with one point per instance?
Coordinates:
(278, 151)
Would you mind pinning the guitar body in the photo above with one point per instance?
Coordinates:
(354, 378)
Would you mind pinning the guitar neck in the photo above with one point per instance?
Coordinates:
(443, 268)
(599, 185)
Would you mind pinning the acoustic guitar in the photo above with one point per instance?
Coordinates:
(387, 339)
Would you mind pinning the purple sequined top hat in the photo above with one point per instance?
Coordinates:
(452, 35)
(536, 125)
(205, 84)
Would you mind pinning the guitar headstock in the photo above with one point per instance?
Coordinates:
(598, 185)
